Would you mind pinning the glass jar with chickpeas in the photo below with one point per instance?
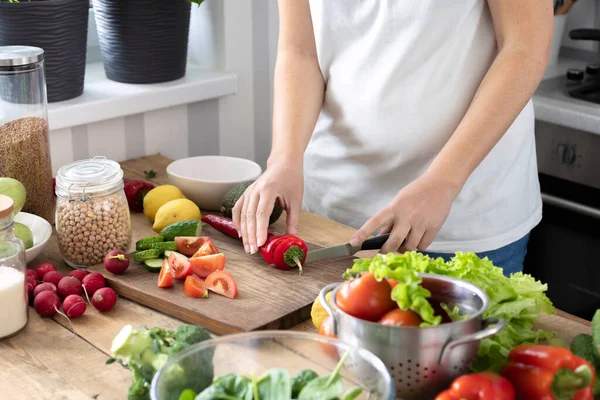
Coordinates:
(92, 215)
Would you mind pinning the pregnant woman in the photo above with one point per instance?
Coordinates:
(411, 117)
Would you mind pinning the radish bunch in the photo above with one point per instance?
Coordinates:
(47, 294)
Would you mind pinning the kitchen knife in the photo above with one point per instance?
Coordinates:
(346, 250)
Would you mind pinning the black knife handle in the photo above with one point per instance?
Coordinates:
(375, 243)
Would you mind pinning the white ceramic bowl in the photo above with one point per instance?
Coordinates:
(206, 179)
(41, 229)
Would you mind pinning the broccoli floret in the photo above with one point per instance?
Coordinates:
(145, 351)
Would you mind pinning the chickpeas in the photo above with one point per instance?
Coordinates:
(88, 230)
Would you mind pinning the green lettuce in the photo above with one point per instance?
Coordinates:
(520, 300)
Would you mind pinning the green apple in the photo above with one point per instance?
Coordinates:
(25, 234)
(15, 190)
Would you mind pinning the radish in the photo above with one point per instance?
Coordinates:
(44, 287)
(91, 283)
(32, 274)
(74, 306)
(46, 304)
(53, 277)
(43, 269)
(31, 283)
(69, 285)
(78, 273)
(104, 299)
(116, 262)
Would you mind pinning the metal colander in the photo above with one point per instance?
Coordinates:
(422, 361)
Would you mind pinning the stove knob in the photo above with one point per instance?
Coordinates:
(569, 155)
(593, 69)
(575, 75)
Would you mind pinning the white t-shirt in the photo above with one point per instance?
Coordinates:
(400, 76)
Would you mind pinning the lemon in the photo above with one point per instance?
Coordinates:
(175, 211)
(318, 313)
(158, 197)
(24, 233)
(15, 190)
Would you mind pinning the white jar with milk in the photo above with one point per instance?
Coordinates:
(13, 292)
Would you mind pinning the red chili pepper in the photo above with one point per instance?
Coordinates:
(479, 386)
(290, 251)
(266, 250)
(135, 191)
(549, 373)
(222, 224)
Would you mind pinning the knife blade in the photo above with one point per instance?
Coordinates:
(346, 250)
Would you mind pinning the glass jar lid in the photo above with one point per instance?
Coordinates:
(15, 56)
(83, 179)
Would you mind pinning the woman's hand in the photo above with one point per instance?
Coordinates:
(281, 181)
(414, 217)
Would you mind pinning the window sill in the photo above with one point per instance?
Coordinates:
(104, 99)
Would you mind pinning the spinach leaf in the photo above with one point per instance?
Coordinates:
(325, 387)
(596, 329)
(228, 387)
(275, 384)
(352, 394)
(300, 380)
(583, 346)
(187, 394)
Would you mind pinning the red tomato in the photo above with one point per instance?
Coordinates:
(165, 277)
(180, 267)
(207, 249)
(398, 317)
(365, 298)
(206, 265)
(194, 287)
(392, 282)
(222, 282)
(188, 245)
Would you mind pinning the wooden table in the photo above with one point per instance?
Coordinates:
(49, 361)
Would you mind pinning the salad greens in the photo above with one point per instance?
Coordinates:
(276, 384)
(520, 300)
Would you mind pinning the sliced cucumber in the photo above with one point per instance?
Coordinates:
(144, 255)
(146, 243)
(164, 246)
(154, 264)
(168, 253)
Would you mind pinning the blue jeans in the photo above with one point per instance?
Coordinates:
(510, 257)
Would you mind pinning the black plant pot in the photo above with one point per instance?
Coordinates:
(60, 28)
(143, 41)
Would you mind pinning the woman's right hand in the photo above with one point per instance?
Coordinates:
(251, 213)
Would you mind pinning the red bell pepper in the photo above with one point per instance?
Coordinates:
(135, 191)
(549, 373)
(290, 251)
(479, 386)
(221, 224)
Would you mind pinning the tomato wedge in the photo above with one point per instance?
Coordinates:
(165, 277)
(222, 282)
(194, 287)
(188, 245)
(206, 265)
(180, 267)
(207, 248)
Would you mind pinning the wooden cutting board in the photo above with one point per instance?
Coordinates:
(267, 298)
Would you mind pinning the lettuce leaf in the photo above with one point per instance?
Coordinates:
(520, 300)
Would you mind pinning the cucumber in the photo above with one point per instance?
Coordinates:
(184, 228)
(168, 253)
(146, 243)
(164, 246)
(141, 256)
(154, 264)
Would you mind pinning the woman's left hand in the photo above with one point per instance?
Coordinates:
(414, 217)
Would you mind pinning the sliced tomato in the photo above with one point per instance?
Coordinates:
(208, 248)
(165, 277)
(222, 282)
(205, 265)
(194, 287)
(180, 267)
(189, 245)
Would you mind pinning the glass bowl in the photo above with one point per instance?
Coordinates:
(252, 354)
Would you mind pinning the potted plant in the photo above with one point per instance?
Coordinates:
(143, 41)
(60, 28)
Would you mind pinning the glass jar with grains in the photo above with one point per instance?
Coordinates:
(92, 215)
